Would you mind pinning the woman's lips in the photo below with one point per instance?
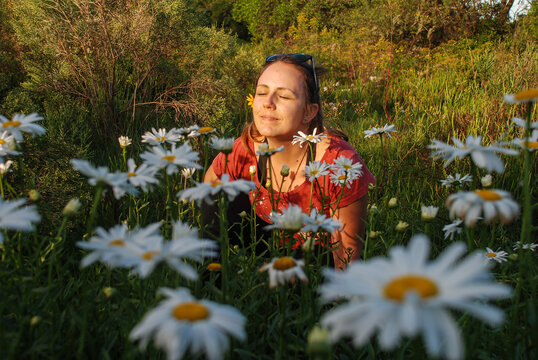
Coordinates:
(269, 118)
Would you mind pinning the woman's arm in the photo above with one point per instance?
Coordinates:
(351, 237)
(210, 175)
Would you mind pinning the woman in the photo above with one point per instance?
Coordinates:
(287, 102)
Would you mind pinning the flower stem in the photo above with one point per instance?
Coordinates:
(93, 211)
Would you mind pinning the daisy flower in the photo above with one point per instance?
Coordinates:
(204, 191)
(319, 221)
(456, 180)
(7, 144)
(171, 160)
(483, 156)
(124, 141)
(101, 175)
(204, 130)
(343, 177)
(291, 219)
(387, 129)
(141, 176)
(22, 123)
(302, 138)
(453, 228)
(265, 150)
(525, 96)
(284, 269)
(224, 145)
(522, 123)
(72, 207)
(188, 172)
(161, 136)
(499, 255)
(13, 216)
(491, 204)
(405, 295)
(181, 323)
(4, 167)
(531, 143)
(519, 246)
(429, 212)
(346, 164)
(315, 169)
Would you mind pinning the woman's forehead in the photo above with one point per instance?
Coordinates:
(282, 75)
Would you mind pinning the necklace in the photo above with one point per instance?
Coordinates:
(292, 175)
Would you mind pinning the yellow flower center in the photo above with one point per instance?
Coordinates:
(161, 139)
(11, 123)
(148, 255)
(190, 311)
(2, 141)
(205, 130)
(116, 242)
(284, 263)
(526, 95)
(488, 195)
(309, 137)
(131, 174)
(530, 144)
(216, 183)
(491, 254)
(348, 167)
(342, 177)
(314, 172)
(169, 158)
(398, 288)
(214, 267)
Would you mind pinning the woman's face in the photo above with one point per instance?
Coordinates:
(280, 105)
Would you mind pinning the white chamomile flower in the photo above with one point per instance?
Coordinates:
(22, 123)
(124, 141)
(265, 150)
(317, 221)
(13, 216)
(499, 255)
(4, 167)
(522, 123)
(405, 295)
(302, 138)
(171, 160)
(315, 169)
(489, 204)
(204, 130)
(525, 96)
(102, 175)
(531, 143)
(141, 176)
(187, 173)
(204, 191)
(387, 129)
(161, 136)
(483, 156)
(519, 246)
(457, 180)
(429, 212)
(452, 229)
(284, 269)
(224, 145)
(181, 323)
(291, 219)
(347, 165)
(343, 177)
(7, 144)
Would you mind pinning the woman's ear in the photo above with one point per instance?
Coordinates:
(311, 111)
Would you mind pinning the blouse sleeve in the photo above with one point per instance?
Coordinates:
(238, 162)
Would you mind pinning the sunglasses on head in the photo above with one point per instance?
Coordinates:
(299, 58)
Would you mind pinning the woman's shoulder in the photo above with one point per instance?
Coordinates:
(338, 147)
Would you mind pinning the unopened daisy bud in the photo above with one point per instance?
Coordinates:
(268, 184)
(214, 267)
(124, 141)
(72, 207)
(402, 225)
(374, 234)
(392, 202)
(243, 214)
(373, 208)
(371, 186)
(34, 195)
(285, 171)
(34, 320)
(4, 167)
(252, 169)
(486, 181)
(319, 342)
(429, 212)
(109, 291)
(308, 245)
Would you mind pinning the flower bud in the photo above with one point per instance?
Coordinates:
(285, 171)
(486, 180)
(72, 207)
(252, 170)
(243, 214)
(34, 320)
(374, 234)
(109, 291)
(34, 195)
(429, 212)
(268, 184)
(402, 225)
(392, 202)
(124, 141)
(214, 267)
(319, 342)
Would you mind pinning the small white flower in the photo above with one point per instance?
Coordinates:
(188, 172)
(22, 123)
(429, 212)
(196, 131)
(222, 144)
(13, 216)
(181, 323)
(453, 228)
(522, 123)
(4, 167)
(171, 160)
(483, 156)
(316, 169)
(319, 221)
(525, 96)
(519, 246)
(7, 145)
(161, 136)
(401, 226)
(531, 143)
(406, 295)
(374, 234)
(142, 176)
(252, 170)
(204, 191)
(491, 204)
(392, 202)
(486, 180)
(499, 255)
(302, 138)
(284, 269)
(343, 177)
(291, 219)
(265, 150)
(456, 180)
(345, 164)
(72, 207)
(387, 129)
(124, 141)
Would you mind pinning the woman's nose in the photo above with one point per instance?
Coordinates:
(268, 102)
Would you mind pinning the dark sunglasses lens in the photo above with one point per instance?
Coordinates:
(297, 57)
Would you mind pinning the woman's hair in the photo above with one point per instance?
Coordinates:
(250, 132)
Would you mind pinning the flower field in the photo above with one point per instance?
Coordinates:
(152, 264)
